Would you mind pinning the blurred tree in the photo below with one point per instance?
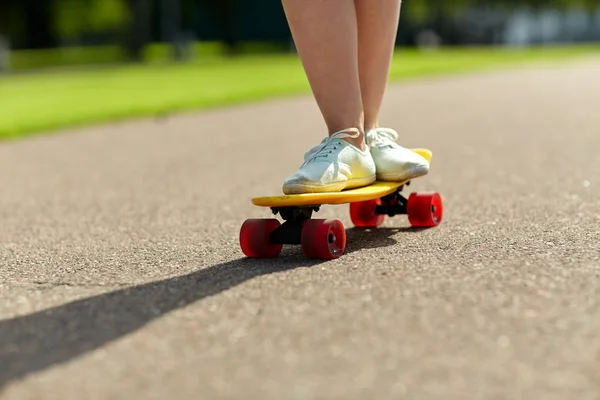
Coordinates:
(134, 23)
(38, 18)
(171, 28)
(27, 23)
(70, 19)
(225, 11)
(139, 29)
(107, 15)
(77, 20)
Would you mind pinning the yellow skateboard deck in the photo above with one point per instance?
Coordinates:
(376, 190)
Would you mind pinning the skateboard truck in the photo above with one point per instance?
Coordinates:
(290, 232)
(392, 204)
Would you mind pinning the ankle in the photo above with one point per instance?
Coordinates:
(358, 142)
(357, 139)
(371, 126)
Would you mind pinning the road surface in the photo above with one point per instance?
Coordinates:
(122, 276)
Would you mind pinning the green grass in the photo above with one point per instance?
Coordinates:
(44, 101)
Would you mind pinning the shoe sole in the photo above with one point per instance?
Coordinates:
(404, 176)
(333, 187)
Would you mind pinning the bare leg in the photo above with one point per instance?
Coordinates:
(326, 37)
(377, 28)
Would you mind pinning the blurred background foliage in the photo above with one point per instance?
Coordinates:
(107, 31)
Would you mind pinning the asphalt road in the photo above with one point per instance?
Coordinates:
(122, 276)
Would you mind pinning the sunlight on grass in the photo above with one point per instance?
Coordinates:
(35, 102)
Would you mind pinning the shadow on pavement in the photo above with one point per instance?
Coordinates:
(37, 341)
(360, 239)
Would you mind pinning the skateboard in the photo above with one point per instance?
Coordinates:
(326, 239)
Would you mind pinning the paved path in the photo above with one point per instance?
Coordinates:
(122, 277)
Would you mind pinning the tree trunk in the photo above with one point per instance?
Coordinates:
(38, 14)
(139, 34)
(171, 28)
(225, 10)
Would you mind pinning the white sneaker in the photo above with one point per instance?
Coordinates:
(332, 166)
(394, 163)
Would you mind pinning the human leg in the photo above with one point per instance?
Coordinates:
(377, 23)
(325, 34)
(326, 38)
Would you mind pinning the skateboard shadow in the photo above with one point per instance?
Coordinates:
(34, 342)
(360, 238)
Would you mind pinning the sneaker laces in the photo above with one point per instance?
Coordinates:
(381, 137)
(328, 145)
